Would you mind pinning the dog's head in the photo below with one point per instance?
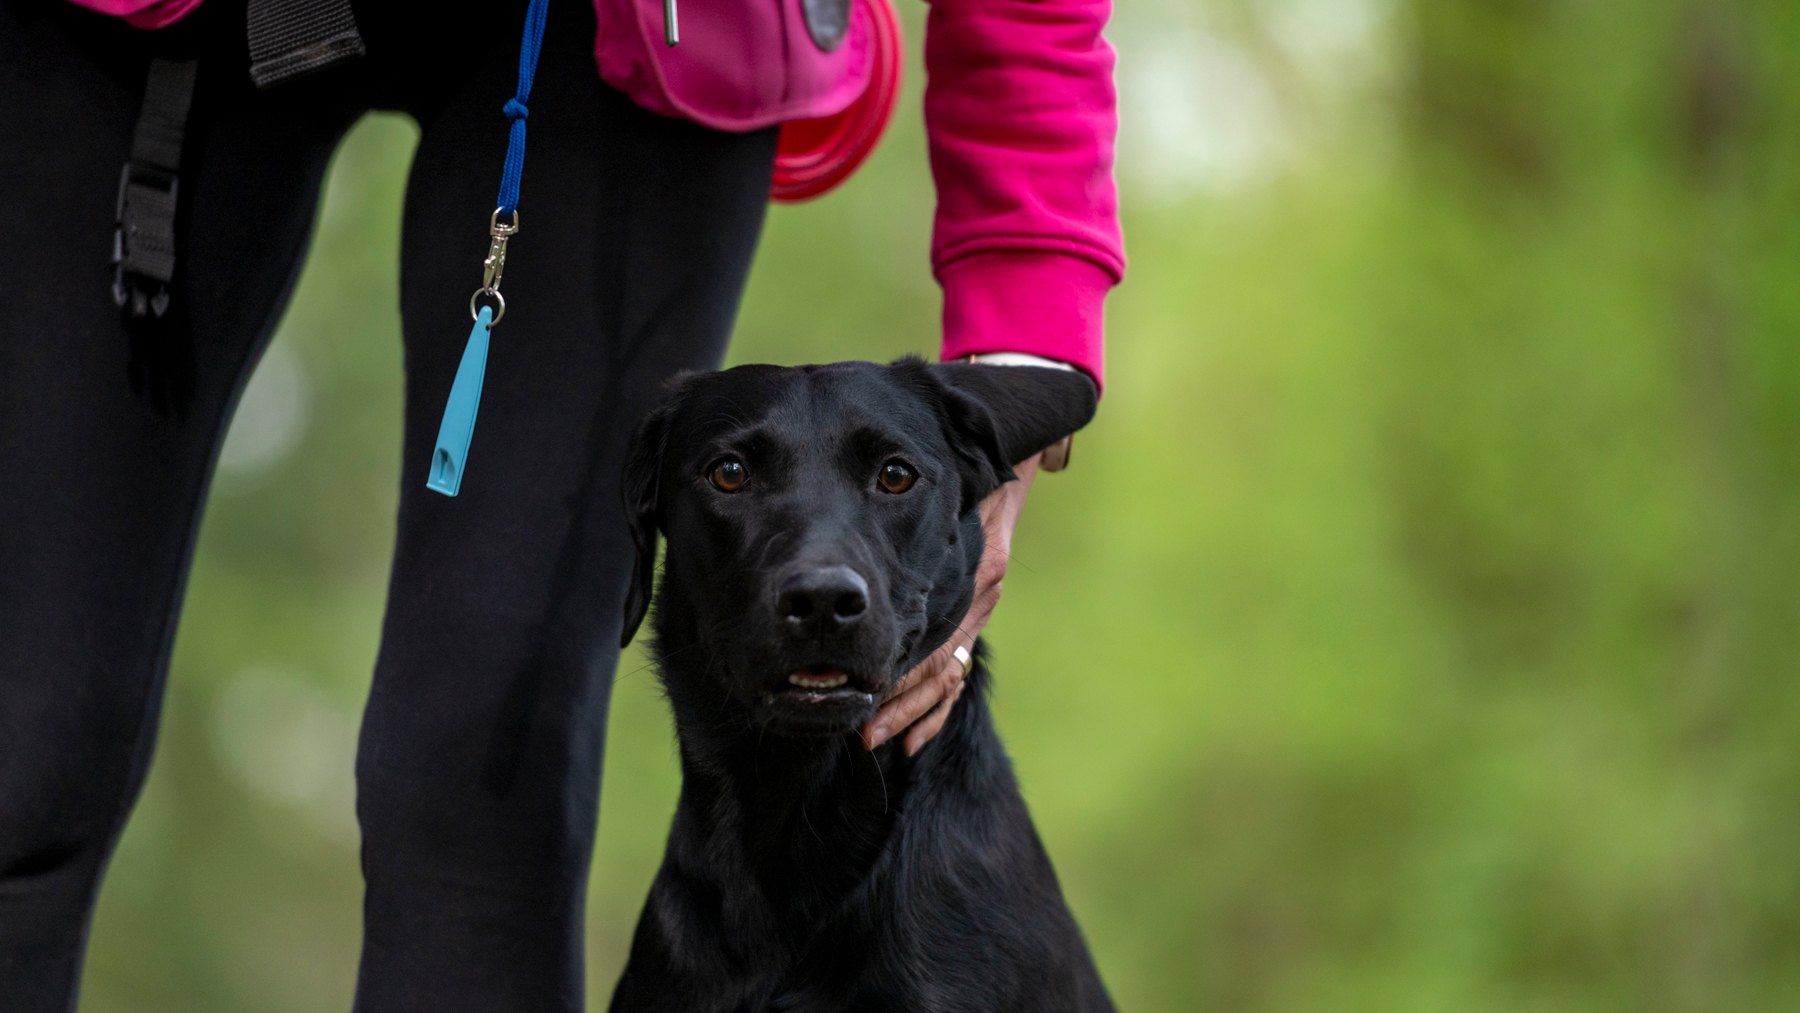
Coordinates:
(822, 523)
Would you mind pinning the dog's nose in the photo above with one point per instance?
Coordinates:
(824, 600)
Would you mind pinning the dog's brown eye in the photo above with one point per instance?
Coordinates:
(895, 477)
(729, 475)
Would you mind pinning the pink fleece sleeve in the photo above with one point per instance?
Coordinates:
(1021, 116)
(150, 14)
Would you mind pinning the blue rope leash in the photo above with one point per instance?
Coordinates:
(458, 428)
(515, 107)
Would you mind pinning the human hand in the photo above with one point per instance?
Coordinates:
(921, 701)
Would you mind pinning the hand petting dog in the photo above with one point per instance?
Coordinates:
(921, 701)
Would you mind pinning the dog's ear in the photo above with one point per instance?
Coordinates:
(998, 416)
(642, 493)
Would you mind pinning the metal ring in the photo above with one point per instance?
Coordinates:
(497, 229)
(961, 654)
(500, 301)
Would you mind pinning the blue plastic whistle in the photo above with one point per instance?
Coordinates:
(459, 412)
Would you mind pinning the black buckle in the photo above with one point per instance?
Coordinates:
(144, 240)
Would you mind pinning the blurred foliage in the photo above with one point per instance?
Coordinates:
(1417, 628)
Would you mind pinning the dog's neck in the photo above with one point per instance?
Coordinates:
(806, 818)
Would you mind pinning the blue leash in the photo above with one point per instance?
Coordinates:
(515, 107)
(452, 452)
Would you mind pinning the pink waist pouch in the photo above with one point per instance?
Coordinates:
(828, 71)
(741, 64)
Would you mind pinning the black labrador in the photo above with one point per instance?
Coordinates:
(823, 536)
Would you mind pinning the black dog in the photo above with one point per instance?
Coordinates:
(823, 538)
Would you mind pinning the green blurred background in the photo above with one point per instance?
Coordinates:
(1417, 628)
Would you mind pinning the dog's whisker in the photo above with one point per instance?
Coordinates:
(656, 661)
(879, 774)
(1012, 559)
(806, 818)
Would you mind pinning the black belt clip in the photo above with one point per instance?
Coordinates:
(144, 243)
(144, 234)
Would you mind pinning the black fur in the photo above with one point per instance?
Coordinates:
(802, 872)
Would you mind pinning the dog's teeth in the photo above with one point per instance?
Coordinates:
(818, 681)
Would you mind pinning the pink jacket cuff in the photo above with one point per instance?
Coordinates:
(1048, 304)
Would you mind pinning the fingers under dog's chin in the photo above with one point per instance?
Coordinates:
(909, 682)
(911, 707)
(882, 726)
(919, 703)
(929, 726)
(901, 712)
(924, 672)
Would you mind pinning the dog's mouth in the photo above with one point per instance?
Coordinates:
(819, 677)
(819, 699)
(820, 683)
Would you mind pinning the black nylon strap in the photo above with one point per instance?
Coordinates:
(293, 38)
(144, 240)
(168, 94)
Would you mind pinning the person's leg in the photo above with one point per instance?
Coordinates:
(479, 767)
(99, 487)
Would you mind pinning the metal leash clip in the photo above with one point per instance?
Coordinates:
(493, 268)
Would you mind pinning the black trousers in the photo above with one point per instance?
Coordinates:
(479, 765)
